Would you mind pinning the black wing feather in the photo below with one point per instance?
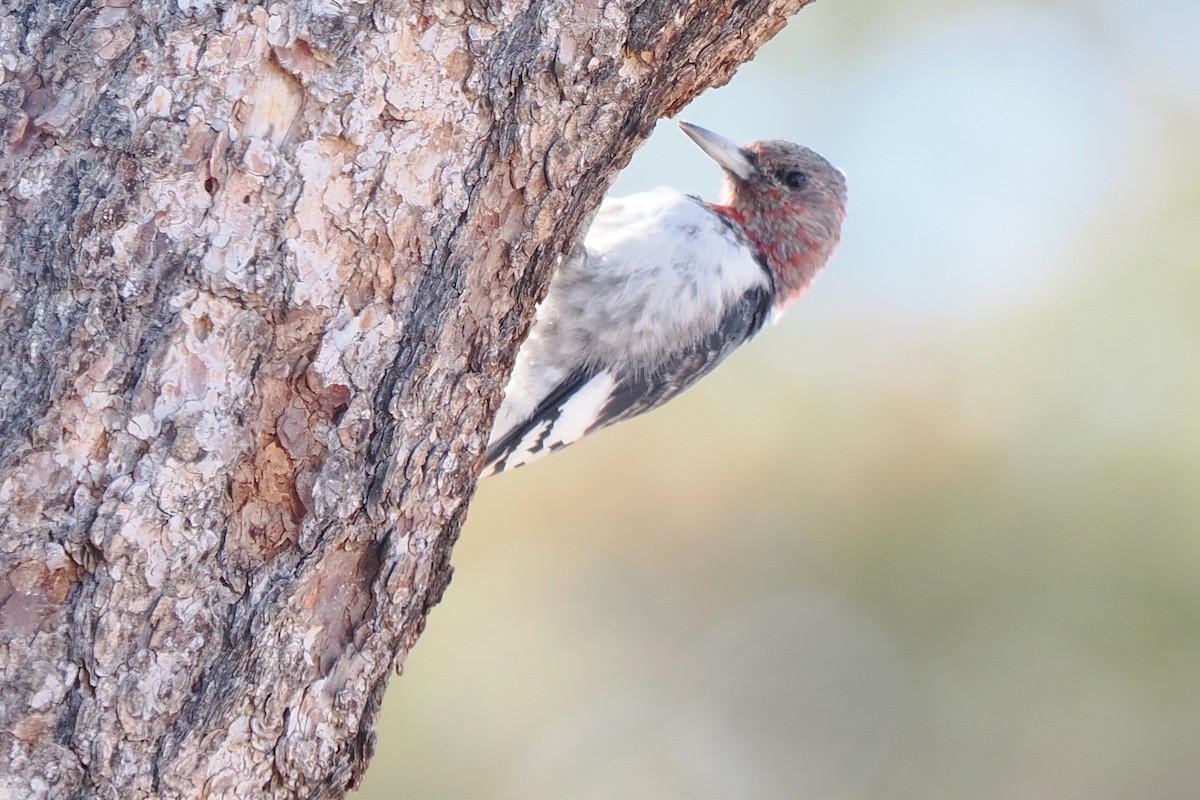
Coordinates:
(547, 411)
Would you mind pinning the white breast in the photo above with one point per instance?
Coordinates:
(660, 269)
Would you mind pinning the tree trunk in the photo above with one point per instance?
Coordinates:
(263, 275)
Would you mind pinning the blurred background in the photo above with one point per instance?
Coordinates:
(934, 535)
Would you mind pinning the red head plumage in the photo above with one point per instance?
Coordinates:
(788, 200)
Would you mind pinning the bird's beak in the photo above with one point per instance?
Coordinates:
(721, 150)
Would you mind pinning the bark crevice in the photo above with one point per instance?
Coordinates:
(263, 273)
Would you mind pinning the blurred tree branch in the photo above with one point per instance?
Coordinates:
(264, 272)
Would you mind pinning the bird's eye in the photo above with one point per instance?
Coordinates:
(794, 179)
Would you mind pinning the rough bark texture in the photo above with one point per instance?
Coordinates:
(263, 273)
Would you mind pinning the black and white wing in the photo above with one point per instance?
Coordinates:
(595, 396)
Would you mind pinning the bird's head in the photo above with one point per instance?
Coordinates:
(789, 200)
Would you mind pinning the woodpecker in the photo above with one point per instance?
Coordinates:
(662, 288)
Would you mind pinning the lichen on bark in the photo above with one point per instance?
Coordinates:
(264, 270)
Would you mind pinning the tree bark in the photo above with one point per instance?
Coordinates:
(264, 272)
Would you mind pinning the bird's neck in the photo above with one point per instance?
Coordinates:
(794, 252)
(730, 213)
